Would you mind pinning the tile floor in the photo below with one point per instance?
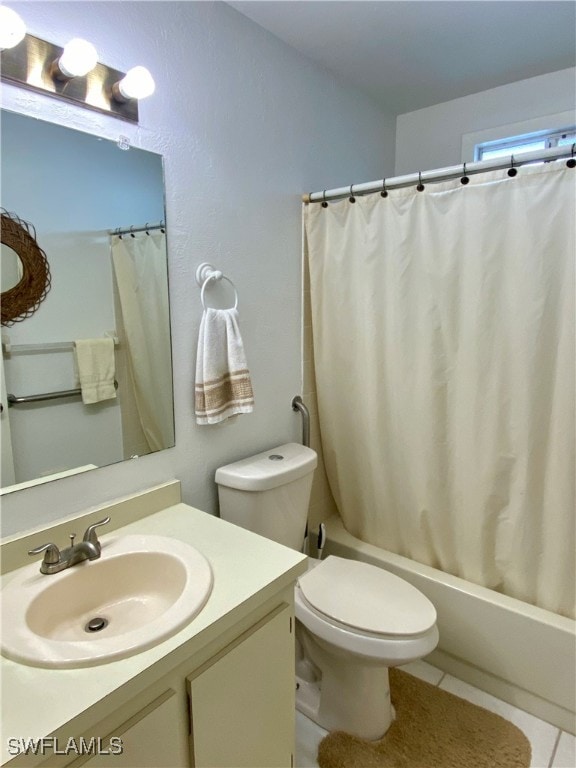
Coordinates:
(551, 748)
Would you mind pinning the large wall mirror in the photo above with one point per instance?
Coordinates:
(87, 372)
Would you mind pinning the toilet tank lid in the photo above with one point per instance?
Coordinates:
(268, 469)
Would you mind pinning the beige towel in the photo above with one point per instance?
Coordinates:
(223, 385)
(96, 369)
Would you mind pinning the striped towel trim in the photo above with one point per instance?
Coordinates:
(225, 396)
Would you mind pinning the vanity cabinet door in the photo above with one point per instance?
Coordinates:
(155, 737)
(242, 701)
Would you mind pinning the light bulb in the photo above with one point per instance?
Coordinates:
(78, 58)
(12, 28)
(136, 84)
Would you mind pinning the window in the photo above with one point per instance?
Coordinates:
(530, 142)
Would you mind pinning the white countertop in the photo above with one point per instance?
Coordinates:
(37, 701)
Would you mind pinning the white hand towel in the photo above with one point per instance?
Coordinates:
(223, 386)
(96, 369)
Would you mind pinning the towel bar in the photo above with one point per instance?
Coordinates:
(13, 400)
(46, 346)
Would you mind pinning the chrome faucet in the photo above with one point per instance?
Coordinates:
(87, 549)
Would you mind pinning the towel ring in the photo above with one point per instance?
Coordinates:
(206, 274)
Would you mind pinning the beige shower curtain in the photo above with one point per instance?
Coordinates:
(443, 329)
(142, 281)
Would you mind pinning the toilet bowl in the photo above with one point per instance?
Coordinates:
(353, 620)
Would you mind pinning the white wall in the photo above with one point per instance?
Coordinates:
(245, 125)
(434, 137)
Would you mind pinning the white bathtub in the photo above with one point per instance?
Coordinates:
(521, 654)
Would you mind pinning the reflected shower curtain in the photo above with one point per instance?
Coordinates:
(443, 331)
(142, 280)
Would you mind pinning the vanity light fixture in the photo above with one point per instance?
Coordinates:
(72, 73)
(12, 28)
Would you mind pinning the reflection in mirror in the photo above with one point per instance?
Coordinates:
(23, 299)
(10, 268)
(97, 210)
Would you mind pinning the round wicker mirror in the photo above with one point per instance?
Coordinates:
(22, 300)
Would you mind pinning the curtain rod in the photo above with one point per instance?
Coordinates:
(131, 230)
(442, 174)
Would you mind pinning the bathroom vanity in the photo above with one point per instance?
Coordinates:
(219, 692)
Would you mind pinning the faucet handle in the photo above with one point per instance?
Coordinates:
(90, 533)
(52, 555)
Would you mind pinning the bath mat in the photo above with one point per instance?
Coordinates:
(432, 729)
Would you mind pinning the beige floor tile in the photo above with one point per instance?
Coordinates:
(565, 756)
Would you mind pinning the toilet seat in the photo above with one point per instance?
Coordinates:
(391, 650)
(366, 599)
(403, 638)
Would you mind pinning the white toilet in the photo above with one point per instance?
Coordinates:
(354, 620)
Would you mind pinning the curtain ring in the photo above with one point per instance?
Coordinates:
(132, 233)
(351, 199)
(384, 192)
(324, 203)
(512, 171)
(465, 179)
(146, 228)
(162, 227)
(571, 163)
(420, 186)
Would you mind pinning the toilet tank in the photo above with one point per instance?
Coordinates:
(269, 493)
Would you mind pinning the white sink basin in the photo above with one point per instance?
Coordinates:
(145, 588)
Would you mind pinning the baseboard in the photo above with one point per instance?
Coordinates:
(542, 708)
